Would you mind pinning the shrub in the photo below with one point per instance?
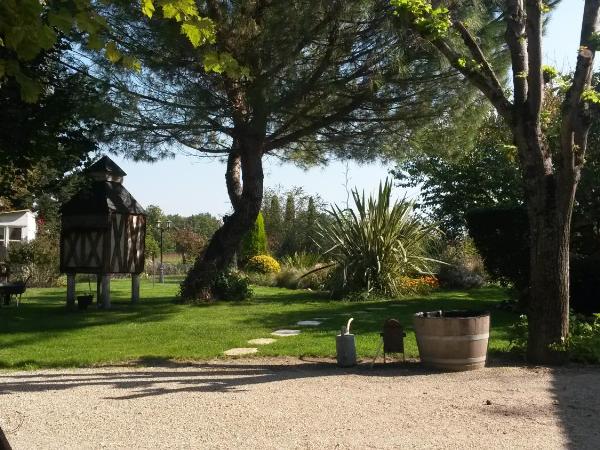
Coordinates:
(375, 244)
(254, 241)
(418, 285)
(301, 260)
(231, 286)
(261, 279)
(303, 278)
(315, 279)
(262, 264)
(582, 345)
(463, 268)
(585, 284)
(288, 278)
(37, 260)
(501, 236)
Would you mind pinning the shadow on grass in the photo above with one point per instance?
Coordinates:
(47, 320)
(370, 315)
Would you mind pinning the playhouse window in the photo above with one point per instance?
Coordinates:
(15, 234)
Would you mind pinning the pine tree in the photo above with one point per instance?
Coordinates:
(274, 223)
(290, 213)
(310, 224)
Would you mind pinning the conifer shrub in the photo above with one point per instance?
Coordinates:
(255, 241)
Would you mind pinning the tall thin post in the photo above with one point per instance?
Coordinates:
(135, 288)
(161, 276)
(70, 290)
(106, 291)
(98, 289)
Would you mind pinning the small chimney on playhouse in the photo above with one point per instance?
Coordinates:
(105, 169)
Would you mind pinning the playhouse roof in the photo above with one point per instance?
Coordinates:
(102, 197)
(105, 164)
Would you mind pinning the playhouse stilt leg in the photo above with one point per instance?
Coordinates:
(98, 289)
(135, 288)
(70, 290)
(106, 291)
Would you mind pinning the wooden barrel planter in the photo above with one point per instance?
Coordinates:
(453, 340)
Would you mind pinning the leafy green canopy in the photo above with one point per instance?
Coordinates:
(453, 180)
(30, 27)
(316, 78)
(41, 142)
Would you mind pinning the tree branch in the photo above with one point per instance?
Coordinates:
(488, 86)
(535, 94)
(477, 53)
(516, 39)
(575, 112)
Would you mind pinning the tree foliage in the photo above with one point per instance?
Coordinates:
(294, 230)
(452, 184)
(188, 243)
(30, 27)
(41, 142)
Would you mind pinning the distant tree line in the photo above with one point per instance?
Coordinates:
(187, 235)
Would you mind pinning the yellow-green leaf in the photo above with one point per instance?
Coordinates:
(112, 52)
(148, 8)
(132, 63)
(212, 63)
(193, 33)
(85, 23)
(171, 12)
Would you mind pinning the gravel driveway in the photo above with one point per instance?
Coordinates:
(285, 403)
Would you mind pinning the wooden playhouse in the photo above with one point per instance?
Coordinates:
(103, 232)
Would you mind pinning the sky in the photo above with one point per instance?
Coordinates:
(189, 185)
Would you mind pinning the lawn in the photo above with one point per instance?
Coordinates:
(41, 333)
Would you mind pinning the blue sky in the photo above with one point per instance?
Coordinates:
(188, 185)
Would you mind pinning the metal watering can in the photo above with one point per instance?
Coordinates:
(345, 347)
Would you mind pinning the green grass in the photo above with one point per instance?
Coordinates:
(42, 333)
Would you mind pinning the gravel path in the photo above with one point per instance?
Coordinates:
(285, 403)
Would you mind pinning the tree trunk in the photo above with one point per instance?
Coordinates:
(550, 193)
(246, 158)
(548, 309)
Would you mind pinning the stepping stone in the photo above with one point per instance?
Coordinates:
(309, 323)
(240, 351)
(261, 341)
(286, 333)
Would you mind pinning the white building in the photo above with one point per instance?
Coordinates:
(16, 226)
